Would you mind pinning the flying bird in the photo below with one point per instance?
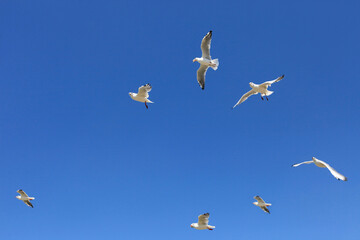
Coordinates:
(262, 204)
(142, 95)
(323, 164)
(205, 60)
(261, 88)
(202, 222)
(25, 198)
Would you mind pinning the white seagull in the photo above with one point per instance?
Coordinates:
(262, 204)
(323, 164)
(142, 95)
(205, 60)
(261, 88)
(203, 222)
(25, 198)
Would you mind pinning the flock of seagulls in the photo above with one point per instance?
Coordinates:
(205, 62)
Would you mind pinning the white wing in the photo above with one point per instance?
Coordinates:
(259, 199)
(205, 45)
(203, 219)
(245, 96)
(22, 193)
(268, 83)
(298, 164)
(201, 72)
(337, 175)
(143, 90)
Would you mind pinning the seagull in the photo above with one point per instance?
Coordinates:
(261, 88)
(142, 95)
(25, 198)
(323, 164)
(203, 222)
(205, 60)
(262, 204)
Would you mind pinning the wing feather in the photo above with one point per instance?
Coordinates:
(203, 219)
(143, 90)
(205, 45)
(268, 83)
(245, 96)
(201, 73)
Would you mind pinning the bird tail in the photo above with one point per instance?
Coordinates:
(148, 101)
(268, 204)
(268, 93)
(31, 198)
(216, 62)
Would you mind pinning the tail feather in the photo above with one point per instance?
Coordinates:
(216, 61)
(268, 93)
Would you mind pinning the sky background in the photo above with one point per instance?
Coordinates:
(101, 166)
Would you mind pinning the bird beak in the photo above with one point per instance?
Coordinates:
(194, 60)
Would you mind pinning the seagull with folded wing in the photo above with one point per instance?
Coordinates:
(203, 222)
(25, 198)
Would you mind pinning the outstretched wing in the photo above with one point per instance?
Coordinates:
(245, 96)
(265, 209)
(143, 90)
(27, 202)
(337, 175)
(22, 193)
(298, 164)
(205, 45)
(259, 199)
(268, 83)
(204, 219)
(201, 72)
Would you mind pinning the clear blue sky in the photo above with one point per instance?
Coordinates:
(101, 166)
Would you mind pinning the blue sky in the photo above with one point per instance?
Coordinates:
(101, 166)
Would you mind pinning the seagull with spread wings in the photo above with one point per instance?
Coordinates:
(323, 164)
(262, 204)
(259, 88)
(25, 198)
(205, 60)
(202, 222)
(142, 95)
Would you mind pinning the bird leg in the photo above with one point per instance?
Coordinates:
(261, 97)
(210, 229)
(266, 98)
(146, 106)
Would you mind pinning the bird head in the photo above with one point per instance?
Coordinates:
(130, 93)
(192, 225)
(18, 197)
(195, 60)
(251, 84)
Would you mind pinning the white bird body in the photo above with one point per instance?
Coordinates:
(258, 88)
(262, 204)
(205, 60)
(202, 223)
(142, 95)
(135, 97)
(323, 164)
(25, 198)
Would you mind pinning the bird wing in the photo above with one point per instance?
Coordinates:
(298, 164)
(265, 209)
(27, 202)
(22, 193)
(205, 45)
(201, 72)
(259, 199)
(268, 83)
(203, 219)
(245, 96)
(337, 175)
(143, 90)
